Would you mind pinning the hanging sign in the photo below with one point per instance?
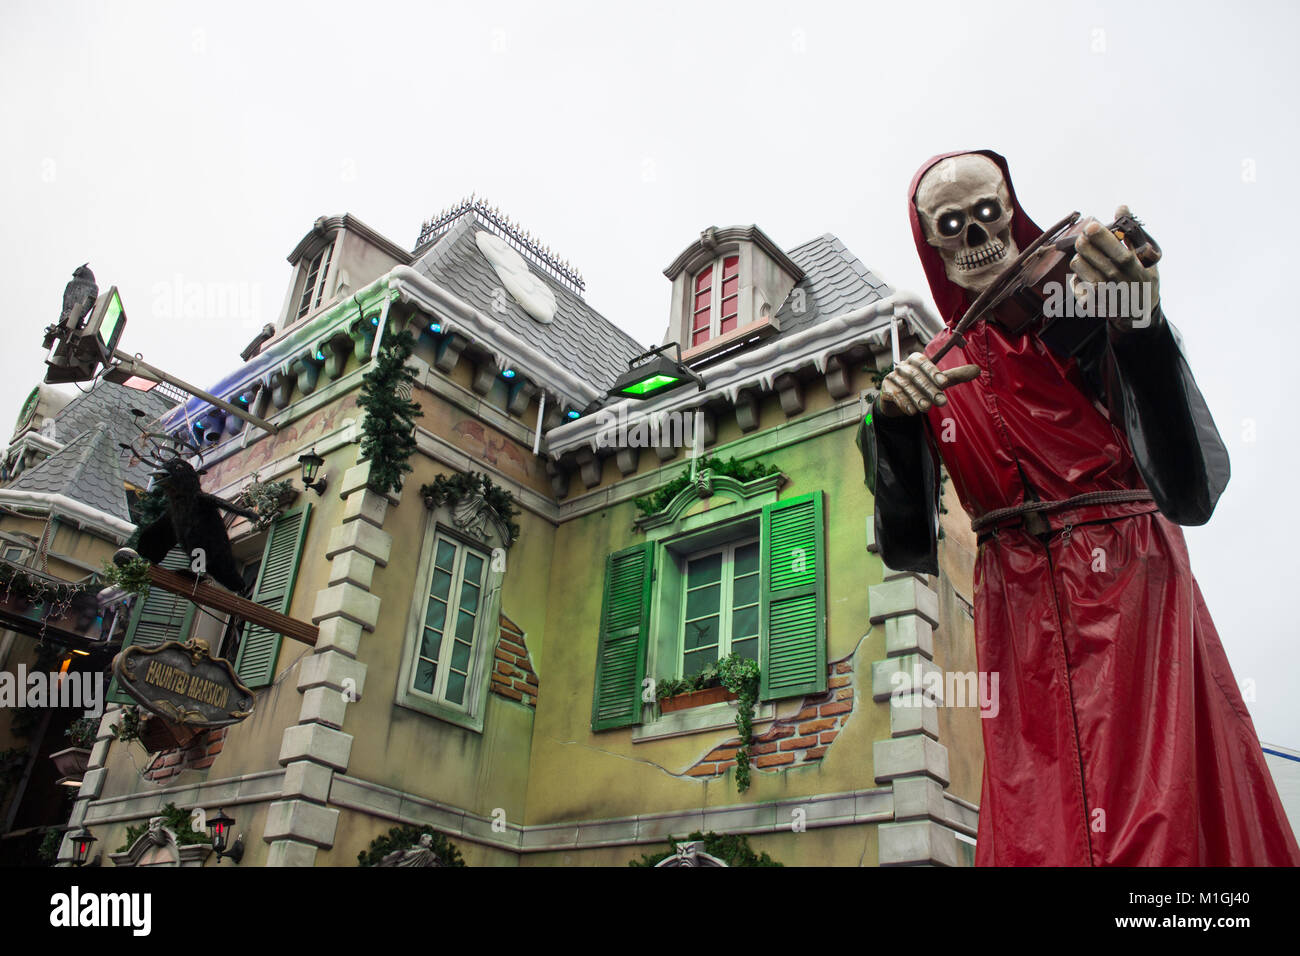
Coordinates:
(183, 683)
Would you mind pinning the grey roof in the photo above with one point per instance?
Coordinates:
(87, 470)
(580, 339)
(111, 404)
(835, 282)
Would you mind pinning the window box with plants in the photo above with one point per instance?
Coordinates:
(71, 762)
(698, 690)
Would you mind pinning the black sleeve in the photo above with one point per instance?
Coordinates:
(900, 471)
(1175, 444)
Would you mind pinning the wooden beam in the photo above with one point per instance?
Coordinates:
(200, 592)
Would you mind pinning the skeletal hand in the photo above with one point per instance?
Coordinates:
(916, 383)
(1101, 258)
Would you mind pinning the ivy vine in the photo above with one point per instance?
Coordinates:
(731, 848)
(403, 838)
(741, 677)
(452, 488)
(388, 431)
(656, 502)
(82, 732)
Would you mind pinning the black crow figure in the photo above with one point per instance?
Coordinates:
(193, 520)
(79, 297)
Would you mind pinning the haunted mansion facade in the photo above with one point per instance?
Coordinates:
(508, 649)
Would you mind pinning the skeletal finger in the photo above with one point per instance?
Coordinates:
(1096, 251)
(1083, 269)
(892, 393)
(930, 370)
(918, 386)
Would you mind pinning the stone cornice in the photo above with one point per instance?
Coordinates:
(330, 224)
(702, 249)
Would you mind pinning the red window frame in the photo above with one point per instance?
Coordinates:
(722, 301)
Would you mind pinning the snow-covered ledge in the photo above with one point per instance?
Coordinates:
(760, 366)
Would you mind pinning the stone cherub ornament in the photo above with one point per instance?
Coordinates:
(1120, 737)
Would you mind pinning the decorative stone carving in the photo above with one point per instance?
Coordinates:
(690, 854)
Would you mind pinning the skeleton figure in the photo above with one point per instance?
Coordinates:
(1120, 737)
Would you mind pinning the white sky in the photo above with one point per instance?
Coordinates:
(195, 144)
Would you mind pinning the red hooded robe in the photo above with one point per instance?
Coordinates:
(1121, 737)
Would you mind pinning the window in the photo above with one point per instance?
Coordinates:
(313, 286)
(15, 555)
(748, 577)
(454, 620)
(715, 304)
(720, 606)
(454, 605)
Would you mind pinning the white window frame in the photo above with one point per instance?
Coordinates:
(439, 693)
(469, 714)
(715, 301)
(313, 290)
(726, 597)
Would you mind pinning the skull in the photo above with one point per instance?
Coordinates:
(965, 210)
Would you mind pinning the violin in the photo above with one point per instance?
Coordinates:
(1036, 287)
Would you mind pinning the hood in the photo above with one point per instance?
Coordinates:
(949, 298)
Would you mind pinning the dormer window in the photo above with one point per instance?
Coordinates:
(716, 305)
(313, 287)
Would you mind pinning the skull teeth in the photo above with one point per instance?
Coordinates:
(970, 259)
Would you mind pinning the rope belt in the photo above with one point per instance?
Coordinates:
(1036, 507)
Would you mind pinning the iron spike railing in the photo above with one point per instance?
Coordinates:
(499, 223)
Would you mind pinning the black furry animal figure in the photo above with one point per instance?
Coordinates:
(193, 520)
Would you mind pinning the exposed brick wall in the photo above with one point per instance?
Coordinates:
(512, 673)
(794, 741)
(198, 754)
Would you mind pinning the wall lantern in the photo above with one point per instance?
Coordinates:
(220, 827)
(311, 463)
(656, 373)
(81, 841)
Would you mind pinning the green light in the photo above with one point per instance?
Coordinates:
(651, 384)
(112, 318)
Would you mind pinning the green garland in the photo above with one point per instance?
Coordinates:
(174, 819)
(454, 487)
(49, 848)
(659, 500)
(388, 431)
(731, 848)
(403, 838)
(267, 498)
(741, 677)
(132, 577)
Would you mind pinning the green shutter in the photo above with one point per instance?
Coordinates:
(624, 631)
(160, 617)
(260, 648)
(793, 602)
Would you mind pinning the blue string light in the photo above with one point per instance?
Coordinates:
(572, 413)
